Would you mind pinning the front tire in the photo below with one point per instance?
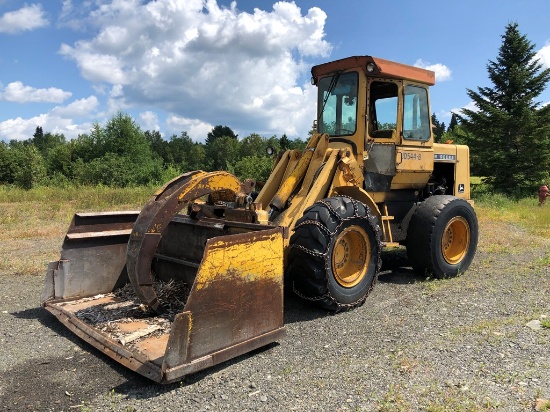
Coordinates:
(442, 236)
(334, 255)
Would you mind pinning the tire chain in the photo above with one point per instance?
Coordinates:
(341, 307)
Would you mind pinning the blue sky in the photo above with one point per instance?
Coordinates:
(188, 65)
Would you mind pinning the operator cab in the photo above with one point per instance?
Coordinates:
(381, 110)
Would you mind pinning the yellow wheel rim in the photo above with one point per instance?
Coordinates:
(350, 256)
(456, 240)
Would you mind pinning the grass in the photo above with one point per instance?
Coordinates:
(30, 218)
(544, 406)
(34, 222)
(92, 197)
(525, 213)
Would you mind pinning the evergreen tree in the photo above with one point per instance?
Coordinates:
(284, 142)
(509, 133)
(45, 142)
(38, 136)
(453, 123)
(438, 128)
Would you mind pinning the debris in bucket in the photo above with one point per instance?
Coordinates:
(126, 308)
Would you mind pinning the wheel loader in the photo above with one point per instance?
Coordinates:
(198, 276)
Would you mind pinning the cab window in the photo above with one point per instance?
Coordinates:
(416, 119)
(383, 109)
(337, 103)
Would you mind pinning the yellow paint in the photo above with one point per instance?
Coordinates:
(414, 159)
(274, 180)
(309, 195)
(456, 240)
(351, 256)
(210, 182)
(225, 257)
(292, 181)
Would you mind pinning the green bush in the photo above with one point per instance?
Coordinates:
(254, 167)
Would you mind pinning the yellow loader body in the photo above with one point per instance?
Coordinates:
(198, 275)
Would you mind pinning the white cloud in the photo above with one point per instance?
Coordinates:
(61, 119)
(198, 60)
(19, 93)
(97, 67)
(458, 110)
(442, 72)
(78, 108)
(149, 121)
(116, 101)
(22, 129)
(195, 128)
(27, 18)
(544, 56)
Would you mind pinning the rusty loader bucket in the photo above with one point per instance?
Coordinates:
(167, 294)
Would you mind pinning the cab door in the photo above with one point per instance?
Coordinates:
(414, 154)
(383, 108)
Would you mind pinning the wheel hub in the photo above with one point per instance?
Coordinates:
(350, 256)
(456, 240)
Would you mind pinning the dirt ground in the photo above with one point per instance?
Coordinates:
(416, 344)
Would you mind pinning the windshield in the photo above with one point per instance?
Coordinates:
(337, 104)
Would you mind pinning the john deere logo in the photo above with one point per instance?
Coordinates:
(461, 188)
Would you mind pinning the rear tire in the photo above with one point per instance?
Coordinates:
(334, 254)
(442, 236)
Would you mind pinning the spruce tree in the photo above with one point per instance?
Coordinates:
(453, 122)
(509, 133)
(438, 128)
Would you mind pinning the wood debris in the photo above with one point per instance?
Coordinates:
(127, 309)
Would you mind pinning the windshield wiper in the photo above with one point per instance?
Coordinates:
(331, 87)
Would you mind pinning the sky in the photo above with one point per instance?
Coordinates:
(188, 65)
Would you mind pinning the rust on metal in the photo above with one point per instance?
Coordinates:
(102, 221)
(154, 348)
(155, 217)
(235, 305)
(231, 272)
(93, 256)
(382, 68)
(85, 304)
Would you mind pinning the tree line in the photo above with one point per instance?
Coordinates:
(508, 133)
(120, 154)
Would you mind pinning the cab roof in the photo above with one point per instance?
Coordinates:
(381, 68)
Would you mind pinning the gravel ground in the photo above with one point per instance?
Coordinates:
(454, 345)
